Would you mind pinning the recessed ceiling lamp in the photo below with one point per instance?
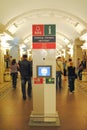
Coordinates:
(12, 28)
(70, 46)
(84, 37)
(84, 46)
(22, 46)
(4, 37)
(66, 40)
(26, 40)
(79, 27)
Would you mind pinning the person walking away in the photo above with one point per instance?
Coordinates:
(69, 64)
(59, 72)
(65, 68)
(14, 72)
(71, 77)
(80, 70)
(25, 73)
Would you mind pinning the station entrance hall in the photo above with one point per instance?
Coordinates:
(43, 65)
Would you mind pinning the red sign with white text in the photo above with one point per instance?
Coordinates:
(38, 80)
(38, 30)
(44, 46)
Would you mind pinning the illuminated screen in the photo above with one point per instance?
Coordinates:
(44, 71)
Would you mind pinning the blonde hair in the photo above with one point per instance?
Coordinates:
(30, 58)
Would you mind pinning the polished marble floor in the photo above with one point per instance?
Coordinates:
(72, 108)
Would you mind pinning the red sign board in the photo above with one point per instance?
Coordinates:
(44, 45)
(38, 30)
(38, 80)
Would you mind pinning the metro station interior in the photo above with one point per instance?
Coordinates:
(16, 21)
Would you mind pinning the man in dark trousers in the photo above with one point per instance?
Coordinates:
(71, 76)
(26, 74)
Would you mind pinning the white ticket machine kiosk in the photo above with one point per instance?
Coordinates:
(44, 76)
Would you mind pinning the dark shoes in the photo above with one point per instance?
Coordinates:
(29, 95)
(24, 97)
(14, 86)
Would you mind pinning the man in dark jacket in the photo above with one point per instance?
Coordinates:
(71, 77)
(26, 74)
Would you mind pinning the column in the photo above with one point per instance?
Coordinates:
(1, 64)
(44, 77)
(77, 51)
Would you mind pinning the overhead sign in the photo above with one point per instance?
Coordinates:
(44, 36)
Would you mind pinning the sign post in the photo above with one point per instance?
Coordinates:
(44, 76)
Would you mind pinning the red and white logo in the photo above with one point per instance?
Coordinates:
(38, 30)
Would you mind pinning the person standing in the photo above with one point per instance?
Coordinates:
(59, 72)
(14, 72)
(26, 74)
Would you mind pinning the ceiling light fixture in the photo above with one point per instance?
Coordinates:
(84, 37)
(79, 27)
(26, 40)
(12, 28)
(84, 46)
(4, 37)
(66, 40)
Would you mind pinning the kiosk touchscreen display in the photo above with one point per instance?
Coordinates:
(44, 71)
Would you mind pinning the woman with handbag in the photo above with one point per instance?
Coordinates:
(14, 72)
(59, 72)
